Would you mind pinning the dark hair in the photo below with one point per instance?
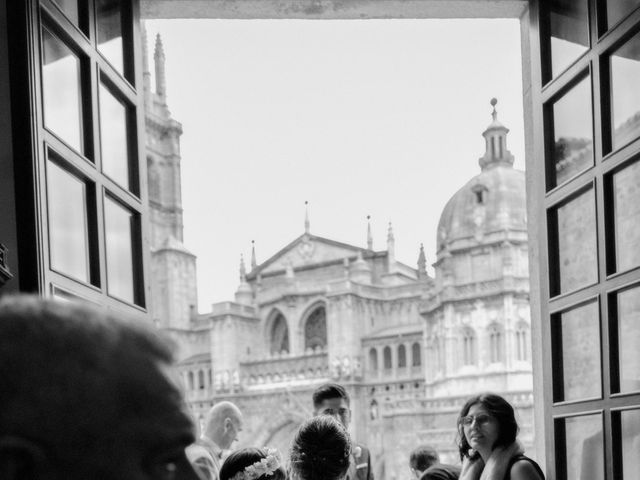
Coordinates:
(320, 450)
(69, 371)
(498, 408)
(423, 457)
(241, 459)
(327, 391)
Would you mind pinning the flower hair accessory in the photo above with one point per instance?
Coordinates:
(265, 466)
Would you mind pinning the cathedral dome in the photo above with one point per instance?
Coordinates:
(492, 201)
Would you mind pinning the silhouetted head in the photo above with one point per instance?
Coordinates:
(320, 450)
(87, 394)
(422, 458)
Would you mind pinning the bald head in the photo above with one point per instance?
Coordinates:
(223, 424)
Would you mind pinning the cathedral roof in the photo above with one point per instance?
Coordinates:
(492, 201)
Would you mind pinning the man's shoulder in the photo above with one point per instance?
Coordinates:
(198, 450)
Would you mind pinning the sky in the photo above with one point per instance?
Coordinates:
(357, 117)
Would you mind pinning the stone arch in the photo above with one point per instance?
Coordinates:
(496, 343)
(277, 332)
(373, 359)
(522, 342)
(190, 381)
(402, 356)
(469, 346)
(386, 358)
(416, 355)
(315, 327)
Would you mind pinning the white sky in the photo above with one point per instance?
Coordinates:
(359, 117)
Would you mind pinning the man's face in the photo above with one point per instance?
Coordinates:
(336, 408)
(232, 428)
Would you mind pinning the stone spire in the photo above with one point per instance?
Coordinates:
(369, 236)
(307, 224)
(495, 136)
(159, 59)
(422, 263)
(146, 74)
(244, 294)
(391, 247)
(243, 270)
(253, 254)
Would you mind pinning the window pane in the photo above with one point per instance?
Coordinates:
(625, 95)
(577, 248)
(572, 133)
(617, 9)
(629, 340)
(579, 332)
(70, 8)
(569, 29)
(68, 229)
(119, 234)
(109, 19)
(583, 448)
(113, 128)
(630, 430)
(626, 214)
(61, 90)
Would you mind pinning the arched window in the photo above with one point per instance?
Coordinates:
(200, 379)
(402, 356)
(190, 380)
(468, 347)
(315, 329)
(386, 354)
(373, 359)
(522, 339)
(279, 335)
(495, 344)
(415, 354)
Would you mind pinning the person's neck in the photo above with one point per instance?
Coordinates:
(485, 453)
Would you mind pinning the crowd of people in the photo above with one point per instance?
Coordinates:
(85, 394)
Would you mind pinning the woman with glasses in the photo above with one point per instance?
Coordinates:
(487, 430)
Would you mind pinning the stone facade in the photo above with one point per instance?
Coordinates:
(409, 348)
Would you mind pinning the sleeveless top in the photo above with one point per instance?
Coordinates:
(517, 458)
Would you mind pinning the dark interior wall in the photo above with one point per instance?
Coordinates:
(8, 234)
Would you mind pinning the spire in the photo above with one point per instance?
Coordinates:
(369, 236)
(422, 263)
(495, 136)
(146, 74)
(243, 270)
(307, 224)
(391, 247)
(390, 238)
(158, 57)
(253, 254)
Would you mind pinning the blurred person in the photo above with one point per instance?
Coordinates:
(332, 399)
(222, 425)
(424, 463)
(487, 430)
(86, 394)
(253, 464)
(321, 450)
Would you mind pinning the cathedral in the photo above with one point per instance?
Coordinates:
(409, 348)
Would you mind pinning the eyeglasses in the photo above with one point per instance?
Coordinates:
(481, 420)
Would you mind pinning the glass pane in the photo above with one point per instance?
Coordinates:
(572, 133)
(569, 30)
(70, 8)
(113, 129)
(626, 212)
(119, 234)
(577, 248)
(61, 90)
(629, 340)
(617, 9)
(584, 449)
(625, 95)
(580, 346)
(109, 19)
(68, 229)
(630, 423)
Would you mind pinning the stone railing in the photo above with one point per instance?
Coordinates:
(285, 368)
(476, 289)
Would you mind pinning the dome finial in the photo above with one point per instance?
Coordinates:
(369, 236)
(422, 263)
(307, 224)
(493, 103)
